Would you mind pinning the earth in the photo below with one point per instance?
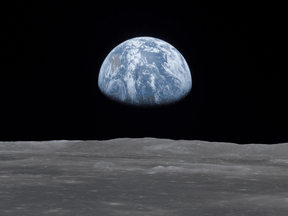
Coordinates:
(145, 71)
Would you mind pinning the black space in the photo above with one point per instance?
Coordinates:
(54, 50)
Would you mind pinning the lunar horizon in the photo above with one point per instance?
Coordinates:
(145, 176)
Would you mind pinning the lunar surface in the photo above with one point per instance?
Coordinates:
(143, 177)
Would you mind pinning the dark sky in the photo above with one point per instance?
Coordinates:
(55, 49)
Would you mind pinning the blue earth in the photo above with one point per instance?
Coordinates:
(145, 71)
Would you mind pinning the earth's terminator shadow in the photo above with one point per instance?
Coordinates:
(145, 106)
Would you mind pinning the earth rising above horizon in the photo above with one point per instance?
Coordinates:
(145, 71)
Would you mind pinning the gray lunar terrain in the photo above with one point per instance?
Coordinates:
(143, 177)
